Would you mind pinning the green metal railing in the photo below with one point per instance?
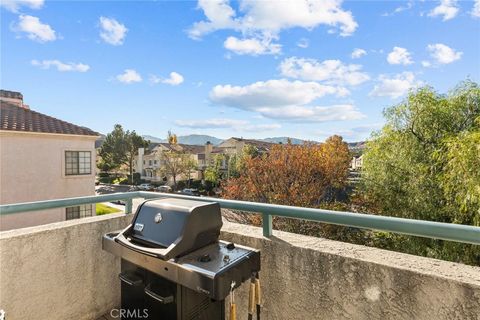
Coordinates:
(422, 228)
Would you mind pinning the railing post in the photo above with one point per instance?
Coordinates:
(267, 225)
(128, 206)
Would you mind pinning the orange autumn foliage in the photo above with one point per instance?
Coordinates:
(296, 175)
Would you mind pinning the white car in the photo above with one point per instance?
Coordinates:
(145, 187)
(165, 189)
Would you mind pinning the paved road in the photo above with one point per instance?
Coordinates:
(109, 188)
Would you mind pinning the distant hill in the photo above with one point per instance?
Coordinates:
(195, 139)
(99, 141)
(283, 140)
(153, 139)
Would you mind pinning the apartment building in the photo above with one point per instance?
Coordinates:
(43, 158)
(150, 161)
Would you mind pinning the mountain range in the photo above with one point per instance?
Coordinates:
(199, 139)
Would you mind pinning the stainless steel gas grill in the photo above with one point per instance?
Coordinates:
(173, 265)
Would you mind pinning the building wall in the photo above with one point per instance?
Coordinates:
(32, 168)
(314, 278)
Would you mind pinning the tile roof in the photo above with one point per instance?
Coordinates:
(14, 118)
(261, 145)
(11, 94)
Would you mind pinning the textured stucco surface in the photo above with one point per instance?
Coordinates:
(59, 271)
(32, 168)
(313, 278)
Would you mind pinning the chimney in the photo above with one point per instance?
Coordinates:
(208, 151)
(13, 97)
(141, 152)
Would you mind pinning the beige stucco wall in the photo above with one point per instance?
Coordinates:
(314, 278)
(59, 271)
(32, 168)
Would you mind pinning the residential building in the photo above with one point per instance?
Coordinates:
(43, 158)
(235, 145)
(357, 163)
(150, 162)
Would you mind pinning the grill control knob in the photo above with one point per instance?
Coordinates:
(205, 258)
(230, 246)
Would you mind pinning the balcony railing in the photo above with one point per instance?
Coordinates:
(422, 228)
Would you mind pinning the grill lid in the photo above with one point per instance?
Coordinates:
(169, 228)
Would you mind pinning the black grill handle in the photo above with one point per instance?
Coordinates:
(161, 253)
(132, 282)
(156, 296)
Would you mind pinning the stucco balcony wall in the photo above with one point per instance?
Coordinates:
(59, 271)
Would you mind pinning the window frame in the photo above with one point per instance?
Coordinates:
(73, 164)
(78, 212)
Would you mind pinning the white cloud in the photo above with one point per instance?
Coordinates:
(399, 9)
(358, 53)
(238, 125)
(129, 76)
(271, 93)
(396, 86)
(313, 113)
(35, 29)
(476, 9)
(271, 18)
(15, 5)
(426, 64)
(447, 8)
(443, 54)
(304, 43)
(175, 79)
(61, 66)
(399, 56)
(329, 71)
(113, 32)
(252, 46)
(265, 19)
(285, 100)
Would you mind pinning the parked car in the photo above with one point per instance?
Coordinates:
(190, 192)
(145, 187)
(165, 189)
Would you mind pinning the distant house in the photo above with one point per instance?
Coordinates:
(149, 162)
(43, 158)
(357, 163)
(235, 145)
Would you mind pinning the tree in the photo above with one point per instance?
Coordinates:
(177, 161)
(297, 175)
(424, 164)
(213, 173)
(120, 148)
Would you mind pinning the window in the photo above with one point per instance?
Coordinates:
(78, 162)
(78, 212)
(149, 162)
(154, 161)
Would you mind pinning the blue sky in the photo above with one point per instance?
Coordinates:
(306, 69)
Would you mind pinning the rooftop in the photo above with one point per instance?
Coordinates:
(11, 94)
(15, 118)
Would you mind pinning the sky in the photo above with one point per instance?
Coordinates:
(252, 69)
